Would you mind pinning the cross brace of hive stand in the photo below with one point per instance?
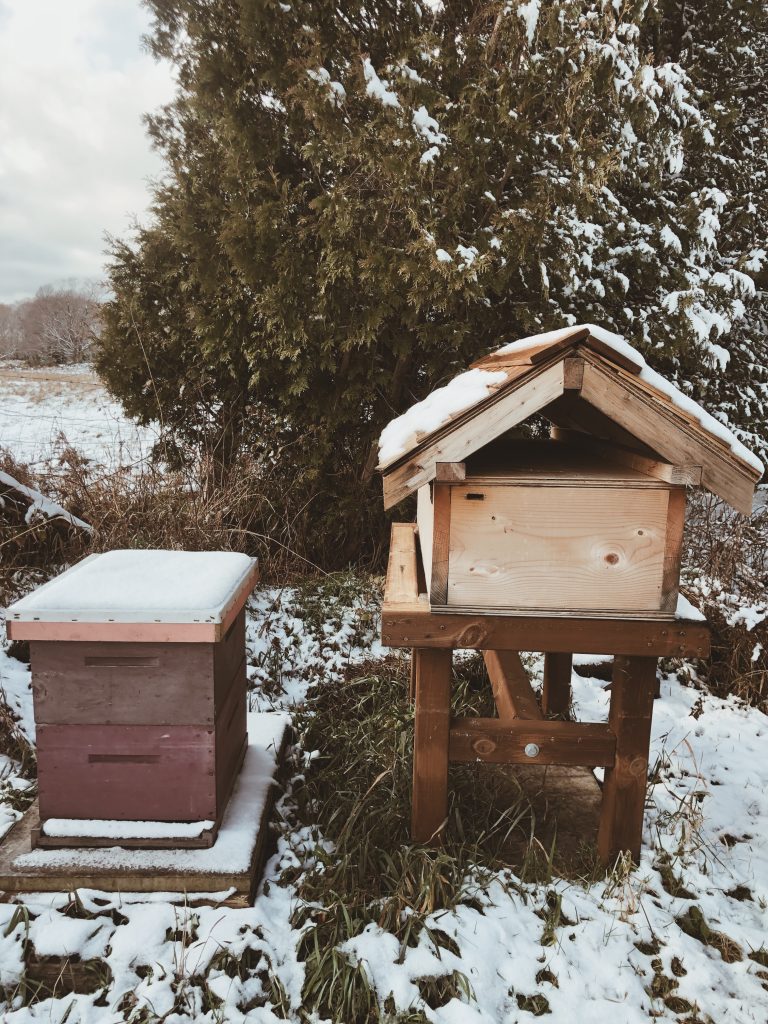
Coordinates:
(522, 733)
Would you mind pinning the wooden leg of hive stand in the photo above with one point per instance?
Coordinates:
(621, 815)
(556, 694)
(430, 743)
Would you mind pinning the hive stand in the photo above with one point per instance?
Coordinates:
(522, 734)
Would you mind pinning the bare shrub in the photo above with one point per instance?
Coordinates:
(32, 546)
(58, 325)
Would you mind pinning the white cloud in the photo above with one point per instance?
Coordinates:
(74, 155)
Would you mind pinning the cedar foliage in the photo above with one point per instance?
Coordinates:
(360, 199)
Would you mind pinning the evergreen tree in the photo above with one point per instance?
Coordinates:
(362, 198)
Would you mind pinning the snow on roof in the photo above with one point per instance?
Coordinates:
(40, 503)
(464, 391)
(649, 376)
(140, 586)
(405, 432)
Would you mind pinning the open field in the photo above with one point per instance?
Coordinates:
(44, 410)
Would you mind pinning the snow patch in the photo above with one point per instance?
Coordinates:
(377, 87)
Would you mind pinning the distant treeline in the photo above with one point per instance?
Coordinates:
(57, 325)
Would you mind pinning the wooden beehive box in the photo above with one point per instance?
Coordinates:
(139, 681)
(586, 521)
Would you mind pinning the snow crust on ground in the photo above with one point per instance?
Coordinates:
(148, 584)
(708, 813)
(44, 410)
(707, 816)
(404, 433)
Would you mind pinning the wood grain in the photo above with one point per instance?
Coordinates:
(647, 414)
(82, 683)
(621, 816)
(441, 536)
(402, 584)
(127, 772)
(450, 472)
(477, 427)
(430, 744)
(414, 625)
(673, 549)
(581, 548)
(556, 692)
(512, 690)
(685, 474)
(488, 739)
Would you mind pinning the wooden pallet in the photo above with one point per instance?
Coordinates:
(84, 871)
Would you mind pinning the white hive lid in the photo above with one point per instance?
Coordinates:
(142, 586)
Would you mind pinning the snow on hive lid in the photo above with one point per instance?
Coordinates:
(471, 388)
(141, 586)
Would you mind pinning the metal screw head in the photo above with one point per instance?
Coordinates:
(531, 750)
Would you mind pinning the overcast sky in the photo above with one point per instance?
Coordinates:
(74, 155)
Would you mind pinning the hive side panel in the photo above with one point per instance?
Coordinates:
(90, 683)
(557, 548)
(129, 772)
(231, 735)
(228, 654)
(425, 521)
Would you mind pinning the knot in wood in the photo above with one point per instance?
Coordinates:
(483, 746)
(472, 636)
(638, 766)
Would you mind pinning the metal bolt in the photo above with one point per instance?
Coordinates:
(531, 750)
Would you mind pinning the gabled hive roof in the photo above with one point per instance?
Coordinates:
(508, 386)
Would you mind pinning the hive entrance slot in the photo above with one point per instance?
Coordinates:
(123, 758)
(473, 496)
(114, 661)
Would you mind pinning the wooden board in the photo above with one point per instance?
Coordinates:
(454, 442)
(684, 474)
(87, 683)
(425, 519)
(532, 742)
(553, 463)
(402, 572)
(575, 549)
(441, 536)
(512, 690)
(646, 413)
(127, 772)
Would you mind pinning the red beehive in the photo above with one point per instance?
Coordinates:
(139, 679)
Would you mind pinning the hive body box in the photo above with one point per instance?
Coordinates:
(140, 706)
(544, 526)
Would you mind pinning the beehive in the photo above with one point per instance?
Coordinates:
(586, 521)
(542, 526)
(139, 682)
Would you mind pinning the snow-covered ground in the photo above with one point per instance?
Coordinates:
(682, 938)
(46, 409)
(615, 951)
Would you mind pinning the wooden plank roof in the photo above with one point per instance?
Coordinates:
(509, 385)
